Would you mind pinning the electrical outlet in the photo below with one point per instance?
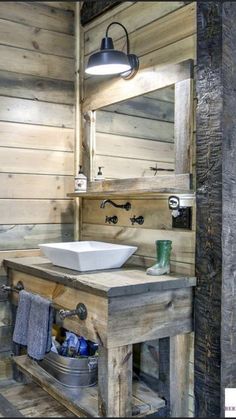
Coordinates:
(184, 219)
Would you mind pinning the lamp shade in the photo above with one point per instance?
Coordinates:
(108, 60)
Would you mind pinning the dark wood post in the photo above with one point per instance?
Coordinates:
(215, 296)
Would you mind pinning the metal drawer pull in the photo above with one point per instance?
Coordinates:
(19, 287)
(80, 311)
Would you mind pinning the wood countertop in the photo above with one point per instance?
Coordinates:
(112, 282)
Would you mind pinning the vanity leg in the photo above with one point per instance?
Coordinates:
(174, 373)
(115, 381)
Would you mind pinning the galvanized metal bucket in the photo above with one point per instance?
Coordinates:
(71, 372)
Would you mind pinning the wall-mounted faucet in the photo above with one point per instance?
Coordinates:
(126, 206)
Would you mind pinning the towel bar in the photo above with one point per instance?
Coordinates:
(80, 311)
(19, 287)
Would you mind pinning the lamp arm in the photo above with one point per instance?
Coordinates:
(126, 33)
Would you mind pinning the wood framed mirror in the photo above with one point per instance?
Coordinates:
(134, 127)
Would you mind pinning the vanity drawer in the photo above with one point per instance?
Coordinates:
(94, 327)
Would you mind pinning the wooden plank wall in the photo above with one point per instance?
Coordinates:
(160, 33)
(37, 134)
(136, 134)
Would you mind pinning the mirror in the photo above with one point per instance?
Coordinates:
(141, 128)
(135, 137)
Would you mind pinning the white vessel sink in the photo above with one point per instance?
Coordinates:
(87, 255)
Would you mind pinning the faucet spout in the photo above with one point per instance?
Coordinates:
(126, 206)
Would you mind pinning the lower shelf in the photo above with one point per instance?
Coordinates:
(84, 401)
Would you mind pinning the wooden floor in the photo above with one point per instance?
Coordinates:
(28, 400)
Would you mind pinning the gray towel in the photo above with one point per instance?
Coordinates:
(33, 326)
(22, 318)
(40, 327)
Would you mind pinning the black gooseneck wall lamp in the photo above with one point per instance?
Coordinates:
(111, 61)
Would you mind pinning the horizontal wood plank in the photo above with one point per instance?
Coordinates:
(21, 36)
(131, 147)
(133, 126)
(152, 315)
(27, 186)
(22, 211)
(36, 137)
(35, 63)
(16, 254)
(183, 246)
(116, 167)
(65, 5)
(36, 161)
(140, 187)
(30, 235)
(132, 17)
(107, 92)
(32, 401)
(145, 107)
(156, 213)
(38, 15)
(35, 112)
(31, 87)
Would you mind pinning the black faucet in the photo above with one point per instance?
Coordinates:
(126, 206)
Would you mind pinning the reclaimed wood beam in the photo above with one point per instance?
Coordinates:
(215, 299)
(93, 8)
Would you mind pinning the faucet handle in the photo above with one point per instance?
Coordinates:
(112, 220)
(139, 220)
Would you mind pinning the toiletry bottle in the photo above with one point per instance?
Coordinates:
(99, 174)
(80, 181)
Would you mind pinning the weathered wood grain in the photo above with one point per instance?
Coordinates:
(36, 161)
(30, 235)
(32, 401)
(38, 15)
(124, 168)
(134, 126)
(124, 281)
(183, 245)
(115, 381)
(138, 17)
(146, 107)
(29, 38)
(133, 147)
(215, 336)
(65, 5)
(146, 80)
(35, 63)
(160, 184)
(14, 254)
(156, 213)
(28, 186)
(31, 87)
(183, 126)
(36, 136)
(25, 211)
(36, 112)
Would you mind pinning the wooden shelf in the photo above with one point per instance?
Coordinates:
(138, 187)
(85, 400)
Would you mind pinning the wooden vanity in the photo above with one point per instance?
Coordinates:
(124, 306)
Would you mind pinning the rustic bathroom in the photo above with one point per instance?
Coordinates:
(117, 208)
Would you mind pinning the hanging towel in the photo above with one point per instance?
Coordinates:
(39, 339)
(20, 333)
